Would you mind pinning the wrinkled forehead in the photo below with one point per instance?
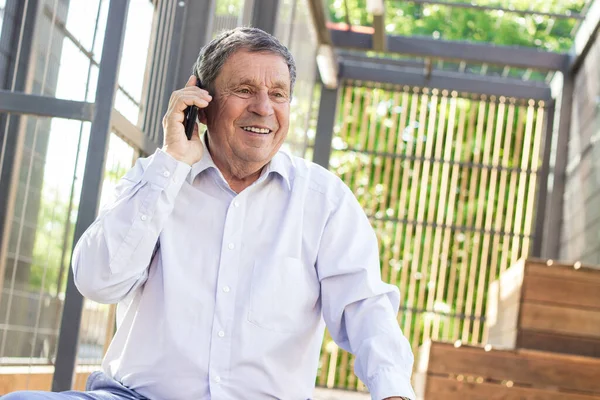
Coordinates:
(256, 69)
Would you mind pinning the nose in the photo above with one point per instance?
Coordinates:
(261, 104)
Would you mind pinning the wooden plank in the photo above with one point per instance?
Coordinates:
(409, 251)
(402, 234)
(519, 221)
(361, 139)
(582, 273)
(491, 210)
(453, 389)
(466, 272)
(400, 147)
(557, 343)
(429, 266)
(505, 261)
(447, 137)
(523, 367)
(449, 220)
(462, 207)
(421, 267)
(504, 301)
(377, 185)
(532, 187)
(347, 123)
(383, 206)
(366, 179)
(37, 378)
(502, 188)
(475, 195)
(565, 292)
(565, 320)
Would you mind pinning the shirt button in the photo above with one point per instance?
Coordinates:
(143, 217)
(217, 379)
(166, 174)
(221, 334)
(236, 203)
(226, 289)
(231, 246)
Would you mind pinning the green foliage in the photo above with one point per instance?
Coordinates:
(229, 7)
(454, 23)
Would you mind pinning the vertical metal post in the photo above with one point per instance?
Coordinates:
(92, 180)
(182, 37)
(325, 123)
(264, 15)
(197, 30)
(554, 214)
(542, 189)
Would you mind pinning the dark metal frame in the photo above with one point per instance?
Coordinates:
(44, 106)
(264, 15)
(368, 70)
(554, 212)
(325, 124)
(92, 181)
(453, 50)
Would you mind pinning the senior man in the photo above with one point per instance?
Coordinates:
(228, 257)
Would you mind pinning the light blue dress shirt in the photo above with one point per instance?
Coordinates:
(226, 296)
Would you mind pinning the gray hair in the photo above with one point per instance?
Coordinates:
(213, 56)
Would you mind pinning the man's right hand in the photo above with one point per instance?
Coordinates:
(175, 143)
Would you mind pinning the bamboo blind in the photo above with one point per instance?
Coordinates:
(449, 183)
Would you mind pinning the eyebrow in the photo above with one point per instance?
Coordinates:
(252, 82)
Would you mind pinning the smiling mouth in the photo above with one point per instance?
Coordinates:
(254, 129)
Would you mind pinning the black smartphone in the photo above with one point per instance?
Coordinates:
(191, 114)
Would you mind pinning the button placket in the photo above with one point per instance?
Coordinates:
(224, 300)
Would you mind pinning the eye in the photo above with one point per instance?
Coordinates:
(244, 91)
(280, 96)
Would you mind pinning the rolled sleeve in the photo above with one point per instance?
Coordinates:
(390, 382)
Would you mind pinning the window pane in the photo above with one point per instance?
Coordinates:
(125, 106)
(81, 21)
(73, 73)
(40, 240)
(135, 47)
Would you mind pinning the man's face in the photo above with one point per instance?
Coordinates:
(248, 118)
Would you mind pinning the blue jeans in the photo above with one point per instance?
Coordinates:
(99, 386)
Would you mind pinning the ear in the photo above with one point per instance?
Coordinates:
(202, 116)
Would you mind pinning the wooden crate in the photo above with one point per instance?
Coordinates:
(445, 371)
(548, 306)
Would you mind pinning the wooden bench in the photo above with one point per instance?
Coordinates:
(456, 372)
(544, 305)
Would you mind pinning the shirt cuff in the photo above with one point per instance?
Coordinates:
(390, 383)
(164, 171)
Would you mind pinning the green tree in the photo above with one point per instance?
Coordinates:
(454, 23)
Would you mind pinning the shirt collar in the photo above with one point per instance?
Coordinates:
(280, 164)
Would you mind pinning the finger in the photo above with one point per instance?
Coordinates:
(191, 81)
(188, 100)
(195, 89)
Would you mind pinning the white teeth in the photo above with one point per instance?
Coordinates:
(255, 130)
